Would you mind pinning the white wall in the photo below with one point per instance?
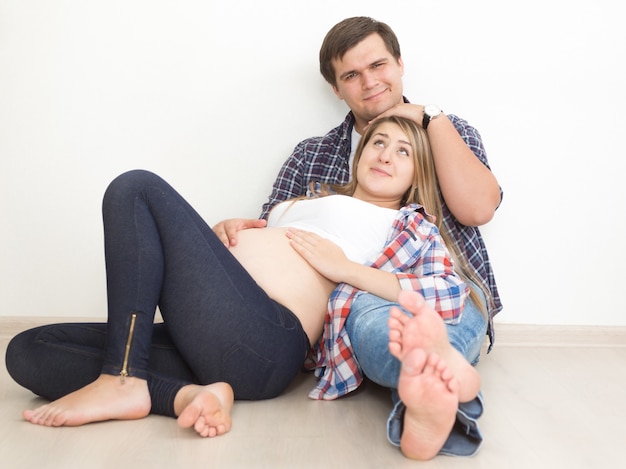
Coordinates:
(214, 96)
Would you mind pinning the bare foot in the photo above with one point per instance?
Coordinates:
(206, 408)
(429, 391)
(104, 399)
(426, 330)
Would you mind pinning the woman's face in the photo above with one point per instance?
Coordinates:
(386, 168)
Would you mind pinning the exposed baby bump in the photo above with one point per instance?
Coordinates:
(267, 256)
(284, 275)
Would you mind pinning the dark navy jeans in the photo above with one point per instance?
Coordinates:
(218, 324)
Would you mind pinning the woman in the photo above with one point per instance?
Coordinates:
(238, 323)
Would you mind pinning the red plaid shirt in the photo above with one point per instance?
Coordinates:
(415, 252)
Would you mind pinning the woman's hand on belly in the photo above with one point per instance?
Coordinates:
(323, 255)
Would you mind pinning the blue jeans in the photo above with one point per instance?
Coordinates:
(369, 334)
(219, 325)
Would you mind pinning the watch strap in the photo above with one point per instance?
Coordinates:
(425, 120)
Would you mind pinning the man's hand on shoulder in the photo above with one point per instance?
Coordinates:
(226, 230)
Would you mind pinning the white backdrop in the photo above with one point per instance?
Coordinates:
(214, 96)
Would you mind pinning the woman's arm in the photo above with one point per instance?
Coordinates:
(421, 262)
(330, 261)
(416, 260)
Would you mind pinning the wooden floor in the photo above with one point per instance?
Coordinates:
(555, 399)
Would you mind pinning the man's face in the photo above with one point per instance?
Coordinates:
(369, 79)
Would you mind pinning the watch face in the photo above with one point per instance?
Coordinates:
(432, 110)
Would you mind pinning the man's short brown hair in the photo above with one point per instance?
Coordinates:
(348, 33)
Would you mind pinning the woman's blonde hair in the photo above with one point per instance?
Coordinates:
(423, 191)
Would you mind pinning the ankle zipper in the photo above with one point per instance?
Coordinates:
(124, 372)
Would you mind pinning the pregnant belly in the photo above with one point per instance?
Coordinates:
(285, 276)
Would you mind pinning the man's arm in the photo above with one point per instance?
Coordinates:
(226, 230)
(468, 186)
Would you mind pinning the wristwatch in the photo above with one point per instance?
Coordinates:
(430, 112)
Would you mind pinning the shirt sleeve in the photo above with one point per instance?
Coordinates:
(289, 182)
(471, 137)
(420, 261)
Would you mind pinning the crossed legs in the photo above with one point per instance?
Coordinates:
(434, 377)
(156, 245)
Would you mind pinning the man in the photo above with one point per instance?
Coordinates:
(360, 58)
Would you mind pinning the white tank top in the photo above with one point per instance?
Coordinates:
(359, 228)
